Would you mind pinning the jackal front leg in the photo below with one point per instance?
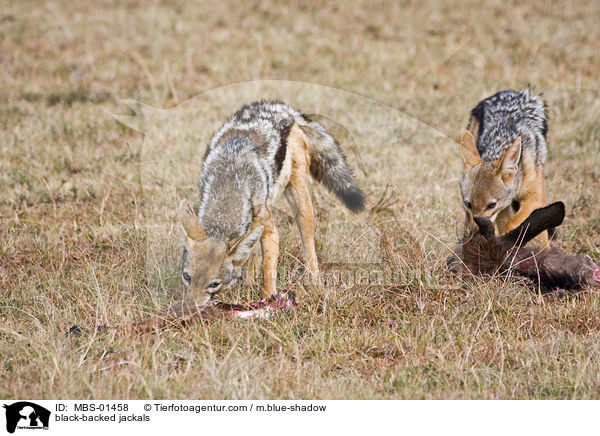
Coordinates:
(534, 198)
(269, 243)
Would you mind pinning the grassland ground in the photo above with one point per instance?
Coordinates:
(80, 194)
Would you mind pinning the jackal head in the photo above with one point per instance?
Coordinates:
(488, 187)
(211, 265)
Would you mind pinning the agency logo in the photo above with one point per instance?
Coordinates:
(26, 415)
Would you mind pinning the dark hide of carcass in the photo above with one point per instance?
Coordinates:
(482, 253)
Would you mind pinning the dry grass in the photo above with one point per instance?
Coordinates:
(74, 201)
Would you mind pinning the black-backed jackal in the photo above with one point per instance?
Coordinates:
(266, 149)
(503, 151)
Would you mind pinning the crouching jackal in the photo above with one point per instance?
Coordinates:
(264, 150)
(503, 151)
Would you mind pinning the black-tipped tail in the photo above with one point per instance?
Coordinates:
(353, 198)
(328, 166)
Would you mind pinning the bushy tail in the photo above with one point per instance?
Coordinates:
(328, 165)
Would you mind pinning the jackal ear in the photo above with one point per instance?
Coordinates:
(190, 222)
(468, 150)
(509, 163)
(242, 247)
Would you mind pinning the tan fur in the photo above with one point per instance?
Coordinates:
(299, 199)
(296, 165)
(488, 182)
(213, 253)
(269, 243)
(532, 196)
(468, 151)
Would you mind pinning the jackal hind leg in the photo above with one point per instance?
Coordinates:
(300, 200)
(298, 196)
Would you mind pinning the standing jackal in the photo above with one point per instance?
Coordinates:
(504, 150)
(264, 150)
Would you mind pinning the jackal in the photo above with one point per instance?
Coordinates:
(267, 148)
(503, 151)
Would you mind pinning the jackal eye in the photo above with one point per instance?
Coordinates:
(491, 205)
(186, 277)
(467, 204)
(213, 287)
(215, 284)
